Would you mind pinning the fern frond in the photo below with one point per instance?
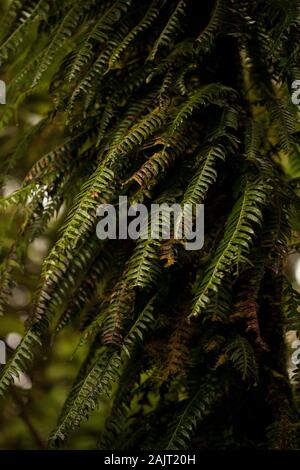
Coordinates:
(178, 350)
(145, 23)
(144, 323)
(22, 355)
(138, 134)
(119, 309)
(204, 96)
(192, 413)
(14, 13)
(99, 33)
(214, 27)
(82, 216)
(205, 176)
(60, 276)
(158, 164)
(113, 427)
(65, 30)
(144, 268)
(170, 30)
(85, 394)
(285, 123)
(86, 291)
(236, 242)
(7, 267)
(152, 101)
(253, 141)
(96, 72)
(56, 159)
(241, 353)
(294, 161)
(35, 12)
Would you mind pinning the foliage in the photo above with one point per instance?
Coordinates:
(162, 101)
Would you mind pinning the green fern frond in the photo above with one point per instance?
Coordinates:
(85, 394)
(156, 167)
(113, 427)
(23, 354)
(145, 23)
(236, 242)
(205, 176)
(253, 141)
(285, 123)
(34, 13)
(143, 324)
(86, 291)
(19, 197)
(180, 55)
(241, 353)
(14, 13)
(82, 216)
(144, 265)
(99, 33)
(139, 133)
(214, 27)
(170, 30)
(10, 263)
(96, 73)
(294, 161)
(204, 96)
(56, 159)
(64, 31)
(58, 278)
(119, 309)
(192, 413)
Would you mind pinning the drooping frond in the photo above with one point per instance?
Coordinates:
(205, 176)
(216, 22)
(170, 30)
(65, 29)
(98, 33)
(144, 322)
(236, 242)
(144, 266)
(164, 102)
(27, 18)
(193, 411)
(208, 94)
(85, 292)
(85, 394)
(178, 349)
(241, 353)
(18, 361)
(145, 23)
(158, 164)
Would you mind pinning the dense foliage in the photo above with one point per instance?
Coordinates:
(162, 101)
